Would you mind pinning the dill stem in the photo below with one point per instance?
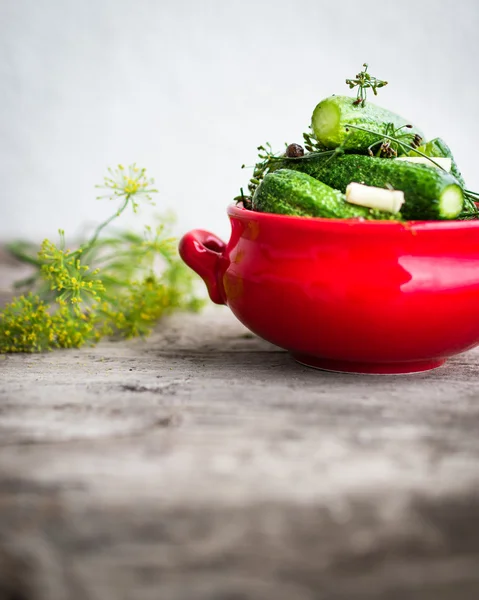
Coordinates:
(102, 226)
(393, 139)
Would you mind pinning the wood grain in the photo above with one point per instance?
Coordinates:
(205, 464)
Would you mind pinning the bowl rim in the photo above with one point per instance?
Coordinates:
(238, 211)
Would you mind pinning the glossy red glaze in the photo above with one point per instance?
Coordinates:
(347, 295)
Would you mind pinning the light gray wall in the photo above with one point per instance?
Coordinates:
(190, 88)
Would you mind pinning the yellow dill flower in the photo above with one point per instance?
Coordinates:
(131, 182)
(66, 274)
(27, 326)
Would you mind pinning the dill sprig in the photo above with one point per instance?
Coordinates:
(266, 158)
(311, 144)
(120, 285)
(363, 82)
(265, 155)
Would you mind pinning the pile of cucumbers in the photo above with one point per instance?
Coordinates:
(314, 184)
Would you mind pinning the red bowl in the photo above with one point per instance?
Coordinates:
(347, 295)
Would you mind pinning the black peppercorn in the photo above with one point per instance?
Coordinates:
(294, 151)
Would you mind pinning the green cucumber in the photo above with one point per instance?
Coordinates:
(288, 192)
(332, 115)
(429, 193)
(438, 148)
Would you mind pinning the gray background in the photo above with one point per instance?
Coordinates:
(190, 88)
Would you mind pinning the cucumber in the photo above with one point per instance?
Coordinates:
(429, 193)
(288, 192)
(331, 116)
(438, 148)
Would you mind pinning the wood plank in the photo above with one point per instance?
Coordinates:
(205, 464)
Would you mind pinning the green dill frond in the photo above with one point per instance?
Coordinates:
(118, 285)
(136, 312)
(266, 158)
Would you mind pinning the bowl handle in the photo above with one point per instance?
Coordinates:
(202, 252)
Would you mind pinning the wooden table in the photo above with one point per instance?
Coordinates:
(204, 464)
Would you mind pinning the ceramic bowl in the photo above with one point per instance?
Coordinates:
(347, 295)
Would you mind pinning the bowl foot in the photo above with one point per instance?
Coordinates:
(340, 366)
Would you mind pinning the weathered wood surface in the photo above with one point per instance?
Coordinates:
(205, 464)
